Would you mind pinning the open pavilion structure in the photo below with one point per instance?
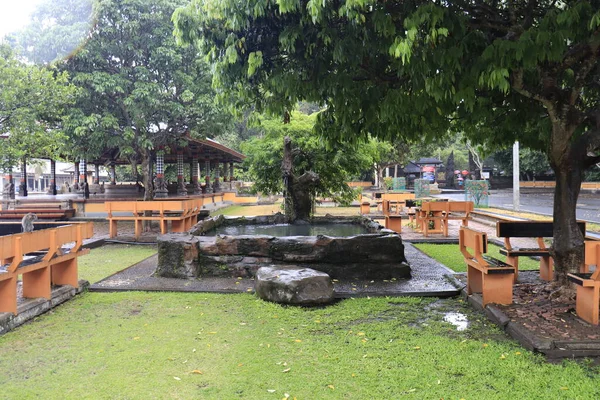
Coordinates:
(204, 157)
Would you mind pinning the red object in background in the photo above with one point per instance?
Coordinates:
(465, 172)
(428, 169)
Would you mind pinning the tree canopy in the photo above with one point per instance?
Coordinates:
(57, 28)
(140, 90)
(32, 102)
(498, 71)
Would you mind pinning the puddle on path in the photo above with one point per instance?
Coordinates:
(459, 320)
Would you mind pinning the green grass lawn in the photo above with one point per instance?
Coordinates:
(181, 345)
(138, 345)
(451, 257)
(111, 258)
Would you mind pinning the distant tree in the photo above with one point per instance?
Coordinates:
(33, 101)
(140, 90)
(334, 165)
(57, 28)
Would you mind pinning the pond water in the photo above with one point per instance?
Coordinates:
(337, 230)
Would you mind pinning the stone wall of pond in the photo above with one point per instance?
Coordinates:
(370, 256)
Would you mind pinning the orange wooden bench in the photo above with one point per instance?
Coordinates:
(393, 218)
(58, 266)
(439, 213)
(182, 214)
(486, 275)
(529, 229)
(588, 285)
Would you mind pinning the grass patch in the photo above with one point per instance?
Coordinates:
(209, 346)
(106, 260)
(451, 257)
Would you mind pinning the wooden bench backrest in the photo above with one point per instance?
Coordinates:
(470, 239)
(592, 257)
(461, 206)
(398, 196)
(153, 205)
(15, 246)
(435, 206)
(529, 228)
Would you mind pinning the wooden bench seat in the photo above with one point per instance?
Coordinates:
(56, 266)
(588, 285)
(529, 229)
(491, 277)
(182, 214)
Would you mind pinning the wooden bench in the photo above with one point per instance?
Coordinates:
(182, 214)
(42, 213)
(486, 275)
(57, 265)
(398, 198)
(529, 229)
(588, 285)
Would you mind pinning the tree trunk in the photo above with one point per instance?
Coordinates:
(147, 174)
(568, 246)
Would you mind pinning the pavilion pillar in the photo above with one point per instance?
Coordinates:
(194, 173)
(97, 174)
(76, 176)
(9, 186)
(216, 184)
(52, 186)
(83, 188)
(207, 176)
(160, 186)
(23, 185)
(181, 189)
(225, 174)
(231, 177)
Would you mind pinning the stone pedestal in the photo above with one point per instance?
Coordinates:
(293, 285)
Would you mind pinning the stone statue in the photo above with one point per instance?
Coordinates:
(299, 191)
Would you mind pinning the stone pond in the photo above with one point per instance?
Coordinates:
(376, 254)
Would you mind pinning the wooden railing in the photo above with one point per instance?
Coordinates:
(183, 214)
(359, 184)
(56, 266)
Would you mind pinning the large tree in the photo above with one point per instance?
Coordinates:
(33, 101)
(497, 70)
(140, 90)
(56, 29)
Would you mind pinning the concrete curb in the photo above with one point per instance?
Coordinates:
(33, 308)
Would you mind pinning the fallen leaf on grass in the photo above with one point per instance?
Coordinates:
(197, 372)
(417, 348)
(298, 341)
(177, 378)
(286, 370)
(331, 387)
(136, 338)
(271, 390)
(502, 356)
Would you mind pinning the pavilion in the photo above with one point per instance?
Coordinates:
(214, 160)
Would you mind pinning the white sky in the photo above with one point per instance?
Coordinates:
(14, 14)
